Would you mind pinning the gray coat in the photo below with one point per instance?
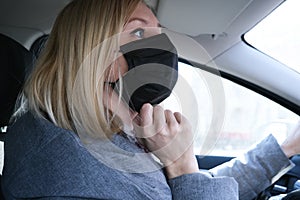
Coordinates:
(47, 162)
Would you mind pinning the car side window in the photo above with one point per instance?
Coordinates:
(248, 116)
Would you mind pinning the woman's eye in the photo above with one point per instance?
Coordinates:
(139, 33)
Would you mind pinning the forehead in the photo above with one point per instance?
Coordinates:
(143, 14)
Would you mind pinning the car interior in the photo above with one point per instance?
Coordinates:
(211, 37)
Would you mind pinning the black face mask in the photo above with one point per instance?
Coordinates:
(152, 71)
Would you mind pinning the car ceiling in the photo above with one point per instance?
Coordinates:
(216, 25)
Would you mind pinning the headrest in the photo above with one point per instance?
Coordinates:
(15, 61)
(38, 45)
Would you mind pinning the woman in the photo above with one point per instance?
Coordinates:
(75, 137)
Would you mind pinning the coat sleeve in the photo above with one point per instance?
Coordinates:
(201, 186)
(257, 169)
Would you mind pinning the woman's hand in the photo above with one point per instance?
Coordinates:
(291, 146)
(168, 136)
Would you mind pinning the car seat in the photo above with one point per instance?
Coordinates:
(16, 62)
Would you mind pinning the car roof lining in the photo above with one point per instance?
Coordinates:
(18, 13)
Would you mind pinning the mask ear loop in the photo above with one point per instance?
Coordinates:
(129, 133)
(131, 111)
(110, 115)
(114, 86)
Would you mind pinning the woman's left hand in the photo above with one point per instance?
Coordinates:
(291, 145)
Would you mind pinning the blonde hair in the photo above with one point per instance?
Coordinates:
(67, 85)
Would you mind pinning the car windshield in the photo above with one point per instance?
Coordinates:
(278, 34)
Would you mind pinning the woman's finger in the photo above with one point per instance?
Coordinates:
(146, 114)
(143, 122)
(172, 122)
(159, 119)
(178, 116)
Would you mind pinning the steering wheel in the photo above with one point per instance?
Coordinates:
(294, 195)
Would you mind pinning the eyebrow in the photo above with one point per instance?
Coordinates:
(144, 21)
(137, 19)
